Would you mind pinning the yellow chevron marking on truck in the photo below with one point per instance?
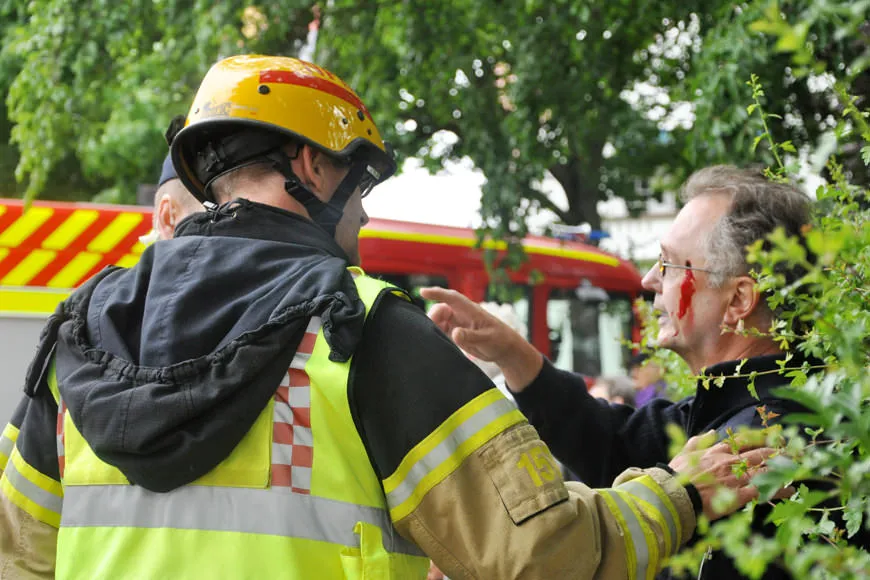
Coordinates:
(115, 232)
(128, 261)
(75, 270)
(29, 267)
(70, 229)
(21, 228)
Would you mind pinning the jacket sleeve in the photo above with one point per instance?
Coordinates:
(470, 482)
(9, 435)
(31, 495)
(568, 417)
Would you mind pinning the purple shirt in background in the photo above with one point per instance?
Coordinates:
(649, 392)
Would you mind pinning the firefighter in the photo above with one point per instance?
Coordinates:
(246, 403)
(172, 203)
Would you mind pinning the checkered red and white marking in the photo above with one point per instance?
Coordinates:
(292, 441)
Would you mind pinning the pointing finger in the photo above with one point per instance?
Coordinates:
(441, 314)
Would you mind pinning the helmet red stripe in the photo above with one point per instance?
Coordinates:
(319, 84)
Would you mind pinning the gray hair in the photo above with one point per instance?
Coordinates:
(758, 207)
(619, 386)
(227, 187)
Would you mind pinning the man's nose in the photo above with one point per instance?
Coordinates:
(364, 218)
(652, 281)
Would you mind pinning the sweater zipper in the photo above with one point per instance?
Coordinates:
(707, 555)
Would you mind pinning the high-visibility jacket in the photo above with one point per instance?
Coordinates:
(273, 509)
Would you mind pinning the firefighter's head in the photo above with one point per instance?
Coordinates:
(263, 127)
(172, 202)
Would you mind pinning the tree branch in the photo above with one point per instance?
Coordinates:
(547, 203)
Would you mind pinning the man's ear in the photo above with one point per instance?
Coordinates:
(745, 299)
(309, 166)
(165, 217)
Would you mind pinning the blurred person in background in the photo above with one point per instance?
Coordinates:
(507, 314)
(647, 376)
(614, 389)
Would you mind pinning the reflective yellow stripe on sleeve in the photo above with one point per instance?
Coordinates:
(32, 491)
(444, 450)
(653, 501)
(638, 505)
(7, 443)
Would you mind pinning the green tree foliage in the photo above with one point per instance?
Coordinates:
(93, 84)
(526, 87)
(825, 315)
(774, 40)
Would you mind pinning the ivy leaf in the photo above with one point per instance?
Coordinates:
(786, 510)
(756, 142)
(853, 516)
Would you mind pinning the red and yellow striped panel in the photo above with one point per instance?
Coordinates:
(52, 248)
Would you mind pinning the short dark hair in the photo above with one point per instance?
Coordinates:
(637, 360)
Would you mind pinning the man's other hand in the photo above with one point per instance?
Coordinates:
(710, 467)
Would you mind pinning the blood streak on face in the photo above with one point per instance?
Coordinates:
(687, 291)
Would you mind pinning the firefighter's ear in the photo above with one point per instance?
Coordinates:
(316, 171)
(164, 217)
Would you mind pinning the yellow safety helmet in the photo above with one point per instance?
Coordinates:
(248, 106)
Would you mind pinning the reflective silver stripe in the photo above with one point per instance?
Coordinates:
(641, 550)
(42, 498)
(646, 494)
(314, 324)
(253, 511)
(61, 411)
(6, 445)
(445, 449)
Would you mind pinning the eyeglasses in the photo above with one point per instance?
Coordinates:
(663, 267)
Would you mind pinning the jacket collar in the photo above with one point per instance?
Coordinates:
(243, 218)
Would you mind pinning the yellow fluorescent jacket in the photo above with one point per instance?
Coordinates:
(297, 498)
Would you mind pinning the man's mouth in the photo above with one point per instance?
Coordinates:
(662, 315)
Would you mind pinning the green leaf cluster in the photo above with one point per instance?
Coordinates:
(823, 313)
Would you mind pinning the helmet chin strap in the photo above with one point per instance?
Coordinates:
(324, 214)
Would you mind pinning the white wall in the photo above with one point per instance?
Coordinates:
(18, 340)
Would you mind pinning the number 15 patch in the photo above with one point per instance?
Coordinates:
(524, 472)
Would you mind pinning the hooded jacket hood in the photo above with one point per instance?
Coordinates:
(165, 366)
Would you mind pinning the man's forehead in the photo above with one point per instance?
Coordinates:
(685, 237)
